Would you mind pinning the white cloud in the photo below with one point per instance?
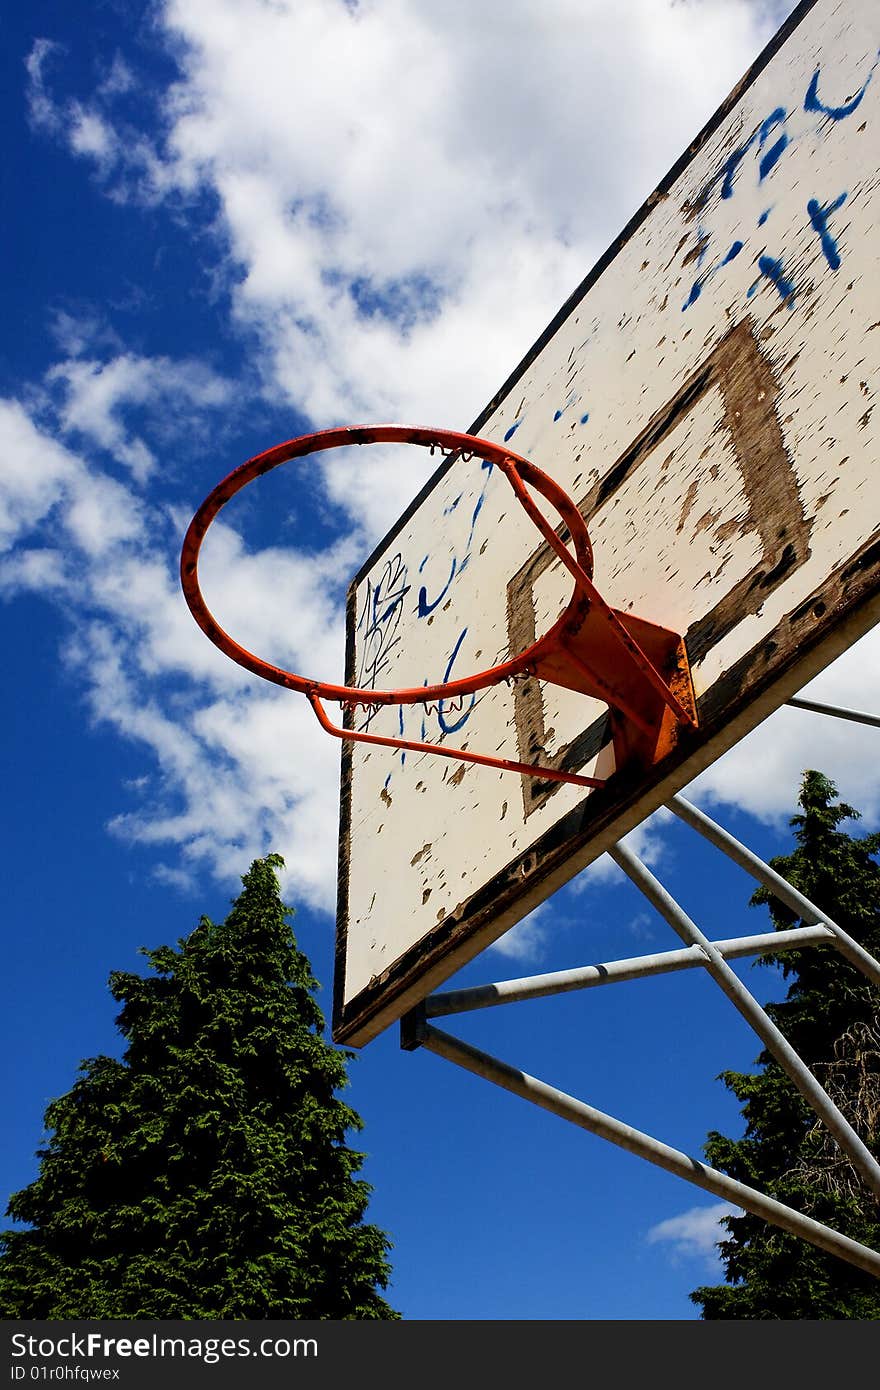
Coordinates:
(242, 768)
(527, 939)
(408, 191)
(762, 774)
(94, 396)
(41, 477)
(36, 469)
(238, 775)
(646, 840)
(123, 158)
(694, 1233)
(177, 878)
(282, 604)
(643, 926)
(118, 78)
(42, 108)
(90, 135)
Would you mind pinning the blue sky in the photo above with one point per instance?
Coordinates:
(228, 222)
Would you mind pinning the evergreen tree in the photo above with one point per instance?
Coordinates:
(830, 1016)
(205, 1175)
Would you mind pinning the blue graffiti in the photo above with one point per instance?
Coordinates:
(424, 730)
(730, 169)
(774, 119)
(487, 466)
(513, 429)
(573, 400)
(697, 286)
(771, 157)
(424, 607)
(819, 217)
(812, 101)
(379, 620)
(761, 136)
(771, 143)
(775, 273)
(446, 727)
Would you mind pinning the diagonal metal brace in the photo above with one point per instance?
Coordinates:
(859, 1155)
(634, 1141)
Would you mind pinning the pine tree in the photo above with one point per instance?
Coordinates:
(205, 1175)
(830, 1015)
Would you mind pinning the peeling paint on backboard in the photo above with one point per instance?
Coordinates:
(707, 397)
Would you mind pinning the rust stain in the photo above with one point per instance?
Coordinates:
(706, 521)
(728, 529)
(683, 241)
(695, 253)
(426, 849)
(687, 505)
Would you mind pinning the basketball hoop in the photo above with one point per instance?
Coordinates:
(638, 669)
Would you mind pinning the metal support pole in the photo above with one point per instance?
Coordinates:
(777, 885)
(860, 1156)
(457, 1001)
(634, 1141)
(855, 715)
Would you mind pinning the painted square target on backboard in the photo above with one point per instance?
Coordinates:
(707, 397)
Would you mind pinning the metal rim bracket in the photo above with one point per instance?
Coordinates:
(636, 667)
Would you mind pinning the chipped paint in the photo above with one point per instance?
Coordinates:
(728, 348)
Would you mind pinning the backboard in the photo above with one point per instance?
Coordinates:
(707, 396)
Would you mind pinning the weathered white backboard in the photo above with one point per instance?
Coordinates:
(708, 398)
